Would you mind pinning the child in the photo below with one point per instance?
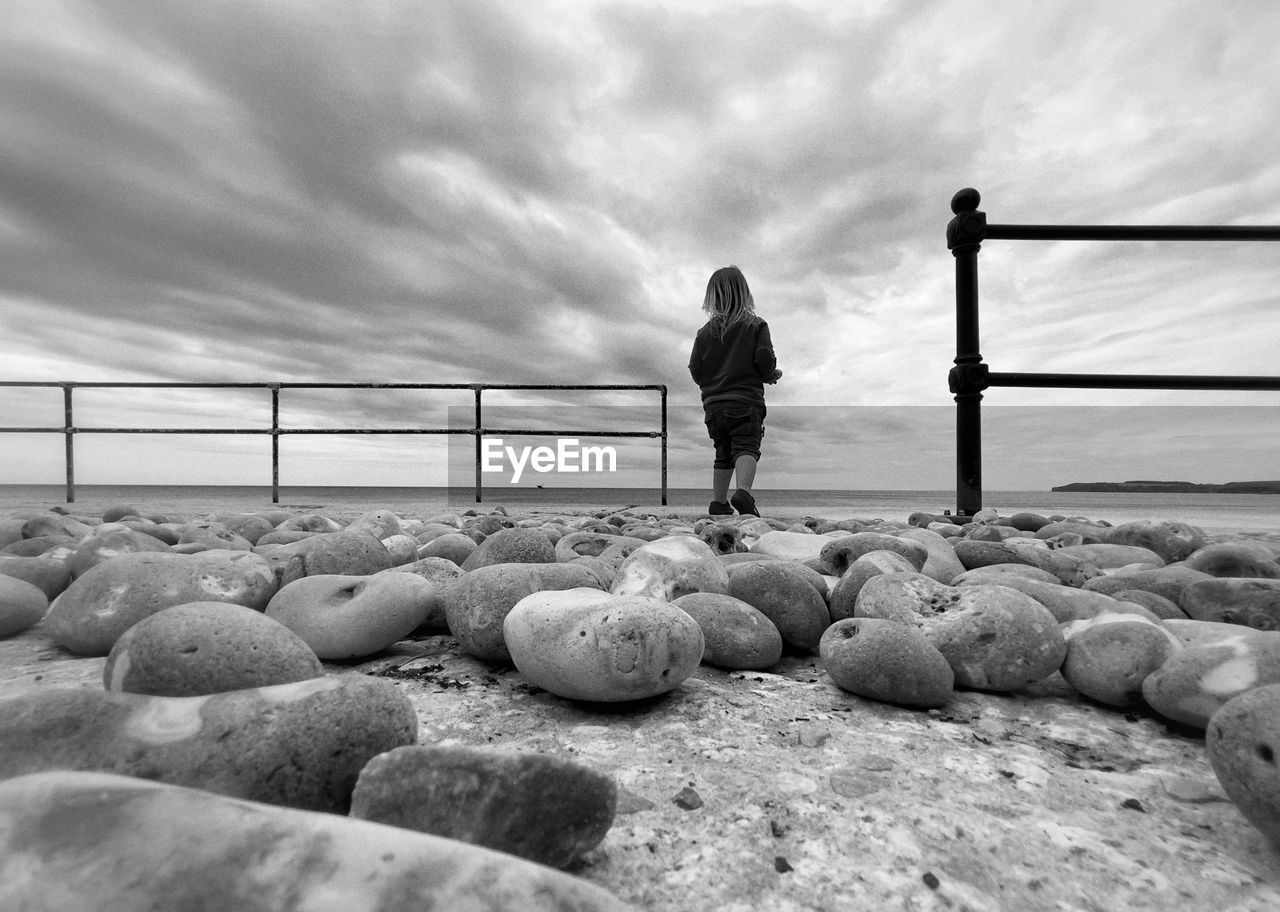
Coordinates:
(732, 359)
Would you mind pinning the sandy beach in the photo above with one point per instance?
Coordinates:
(811, 798)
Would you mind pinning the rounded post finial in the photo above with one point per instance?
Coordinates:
(965, 200)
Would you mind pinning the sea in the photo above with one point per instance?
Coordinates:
(1214, 513)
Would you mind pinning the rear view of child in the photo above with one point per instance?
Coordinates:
(732, 359)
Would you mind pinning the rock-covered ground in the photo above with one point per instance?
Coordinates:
(775, 788)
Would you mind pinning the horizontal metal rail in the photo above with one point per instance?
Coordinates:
(69, 429)
(970, 375)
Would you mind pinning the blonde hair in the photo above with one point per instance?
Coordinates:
(728, 301)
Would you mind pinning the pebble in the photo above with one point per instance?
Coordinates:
(111, 543)
(42, 545)
(55, 524)
(543, 808)
(47, 574)
(669, 568)
(1065, 603)
(1243, 743)
(478, 602)
(198, 850)
(1197, 680)
(941, 563)
(348, 617)
(782, 592)
(735, 635)
(204, 648)
(206, 535)
(512, 546)
(1111, 654)
(440, 572)
(1071, 571)
(92, 613)
(452, 546)
(1168, 582)
(309, 522)
(839, 554)
(1235, 600)
(722, 538)
(300, 745)
(1173, 541)
(381, 524)
(995, 638)
(336, 553)
(1233, 559)
(844, 594)
(886, 661)
(797, 546)
(250, 526)
(22, 605)
(584, 644)
(1110, 556)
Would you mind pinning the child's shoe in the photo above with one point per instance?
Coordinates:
(744, 503)
(720, 508)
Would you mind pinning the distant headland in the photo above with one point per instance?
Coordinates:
(1171, 487)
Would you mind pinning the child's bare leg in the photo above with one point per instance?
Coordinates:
(720, 484)
(745, 466)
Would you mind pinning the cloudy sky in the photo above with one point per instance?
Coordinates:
(534, 192)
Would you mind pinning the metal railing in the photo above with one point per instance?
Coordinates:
(970, 376)
(478, 430)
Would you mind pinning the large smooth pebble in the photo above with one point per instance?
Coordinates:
(844, 594)
(22, 605)
(797, 546)
(1234, 600)
(886, 661)
(347, 617)
(995, 638)
(108, 544)
(1109, 656)
(1235, 559)
(1113, 556)
(380, 524)
(92, 613)
(1197, 680)
(478, 602)
(300, 745)
(735, 634)
(543, 808)
(440, 573)
(330, 554)
(1170, 582)
(452, 546)
(839, 554)
(1242, 740)
(75, 840)
(512, 546)
(669, 568)
(1172, 540)
(784, 593)
(47, 574)
(207, 647)
(584, 644)
(942, 563)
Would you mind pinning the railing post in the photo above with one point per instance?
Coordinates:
(68, 428)
(275, 443)
(479, 425)
(968, 378)
(664, 445)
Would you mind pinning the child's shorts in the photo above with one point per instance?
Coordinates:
(736, 430)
